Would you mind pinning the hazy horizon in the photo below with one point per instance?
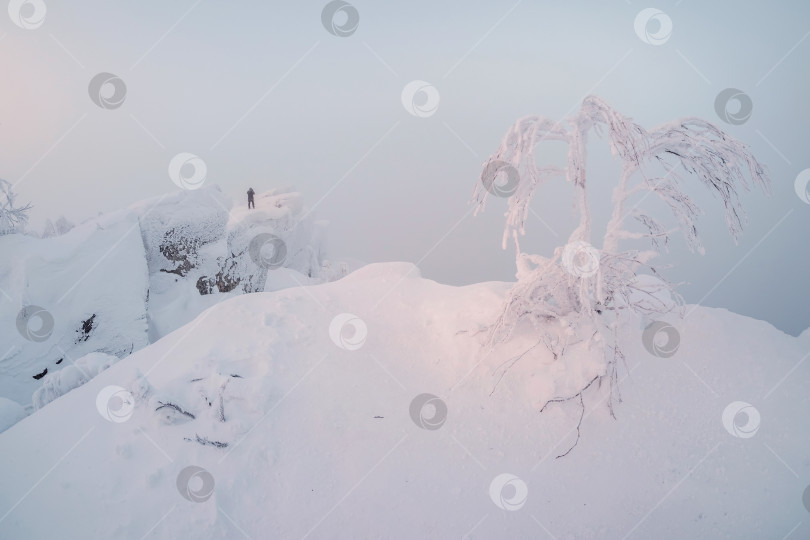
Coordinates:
(267, 97)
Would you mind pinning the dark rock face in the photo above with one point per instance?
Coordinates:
(85, 328)
(182, 252)
(205, 285)
(225, 280)
(175, 233)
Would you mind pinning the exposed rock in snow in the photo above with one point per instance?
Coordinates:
(124, 279)
(199, 244)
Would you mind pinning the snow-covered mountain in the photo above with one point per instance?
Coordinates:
(370, 407)
(123, 280)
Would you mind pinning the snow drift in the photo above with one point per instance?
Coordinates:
(368, 408)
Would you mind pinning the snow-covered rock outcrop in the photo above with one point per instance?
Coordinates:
(67, 296)
(200, 246)
(124, 279)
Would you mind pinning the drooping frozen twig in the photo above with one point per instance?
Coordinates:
(13, 218)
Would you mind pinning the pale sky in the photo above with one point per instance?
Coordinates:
(267, 97)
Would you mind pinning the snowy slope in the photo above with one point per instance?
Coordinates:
(126, 278)
(322, 443)
(80, 313)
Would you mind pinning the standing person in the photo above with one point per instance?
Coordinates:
(250, 199)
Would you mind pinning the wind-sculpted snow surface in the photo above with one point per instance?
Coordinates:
(68, 296)
(368, 408)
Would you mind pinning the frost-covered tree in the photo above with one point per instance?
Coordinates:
(13, 218)
(62, 225)
(583, 292)
(49, 229)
